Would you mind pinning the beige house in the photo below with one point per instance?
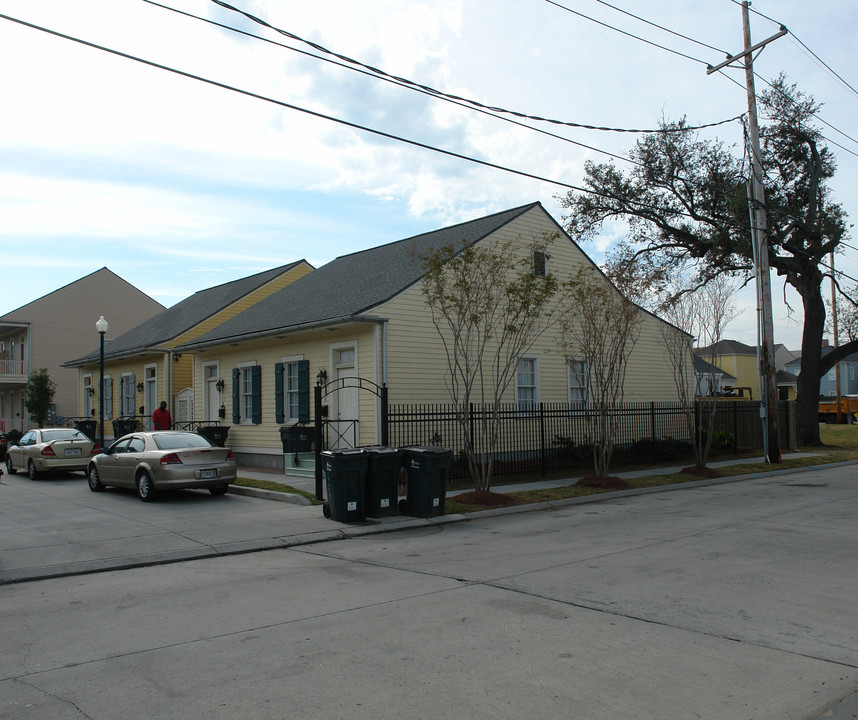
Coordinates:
(362, 318)
(142, 367)
(57, 326)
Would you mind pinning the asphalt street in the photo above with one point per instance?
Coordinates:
(718, 600)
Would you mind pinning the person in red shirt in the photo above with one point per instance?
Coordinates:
(161, 418)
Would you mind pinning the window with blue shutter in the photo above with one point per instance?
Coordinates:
(303, 391)
(279, 400)
(256, 394)
(236, 396)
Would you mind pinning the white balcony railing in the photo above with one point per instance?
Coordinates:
(12, 367)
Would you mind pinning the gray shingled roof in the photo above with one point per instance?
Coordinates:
(351, 284)
(728, 347)
(184, 315)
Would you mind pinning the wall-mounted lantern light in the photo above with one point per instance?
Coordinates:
(220, 384)
(140, 387)
(322, 377)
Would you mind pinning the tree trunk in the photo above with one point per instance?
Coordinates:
(807, 399)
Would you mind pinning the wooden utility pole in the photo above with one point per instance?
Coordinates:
(767, 368)
(836, 339)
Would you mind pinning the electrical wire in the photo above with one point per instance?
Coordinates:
(661, 27)
(622, 32)
(322, 116)
(390, 80)
(434, 91)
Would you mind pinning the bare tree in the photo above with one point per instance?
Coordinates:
(602, 326)
(490, 302)
(701, 313)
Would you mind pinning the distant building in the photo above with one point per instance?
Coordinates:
(57, 327)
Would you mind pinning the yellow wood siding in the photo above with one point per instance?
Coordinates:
(314, 346)
(417, 364)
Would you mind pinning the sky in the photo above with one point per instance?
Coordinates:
(178, 185)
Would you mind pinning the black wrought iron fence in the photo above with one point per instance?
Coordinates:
(554, 438)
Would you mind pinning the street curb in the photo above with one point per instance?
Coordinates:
(269, 495)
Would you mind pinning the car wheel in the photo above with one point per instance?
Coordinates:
(93, 480)
(9, 468)
(145, 488)
(31, 469)
(219, 490)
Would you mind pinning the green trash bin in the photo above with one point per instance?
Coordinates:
(426, 469)
(87, 427)
(124, 425)
(382, 480)
(217, 434)
(345, 472)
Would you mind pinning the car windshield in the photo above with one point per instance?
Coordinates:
(61, 434)
(176, 441)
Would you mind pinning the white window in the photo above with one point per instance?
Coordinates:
(539, 259)
(126, 401)
(108, 397)
(246, 393)
(579, 383)
(87, 395)
(526, 383)
(291, 391)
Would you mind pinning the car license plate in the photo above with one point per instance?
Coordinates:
(208, 474)
(72, 452)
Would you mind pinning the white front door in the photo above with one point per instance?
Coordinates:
(151, 396)
(344, 428)
(212, 400)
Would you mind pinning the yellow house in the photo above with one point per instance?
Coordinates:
(361, 321)
(141, 366)
(740, 361)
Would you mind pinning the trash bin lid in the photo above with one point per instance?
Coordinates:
(379, 449)
(348, 451)
(425, 450)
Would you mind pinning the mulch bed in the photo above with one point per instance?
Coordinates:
(604, 483)
(701, 472)
(484, 497)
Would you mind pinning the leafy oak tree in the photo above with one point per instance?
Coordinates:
(685, 199)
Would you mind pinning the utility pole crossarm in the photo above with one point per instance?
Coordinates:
(732, 58)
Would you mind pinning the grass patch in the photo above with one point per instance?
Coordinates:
(276, 487)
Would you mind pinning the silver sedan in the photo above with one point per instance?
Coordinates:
(163, 460)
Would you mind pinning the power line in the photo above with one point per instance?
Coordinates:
(330, 118)
(390, 80)
(441, 96)
(439, 93)
(661, 27)
(623, 32)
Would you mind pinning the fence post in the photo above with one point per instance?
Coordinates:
(542, 439)
(317, 400)
(652, 429)
(735, 428)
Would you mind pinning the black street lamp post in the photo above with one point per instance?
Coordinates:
(101, 326)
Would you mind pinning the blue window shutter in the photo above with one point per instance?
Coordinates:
(256, 399)
(236, 396)
(279, 408)
(121, 395)
(303, 391)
